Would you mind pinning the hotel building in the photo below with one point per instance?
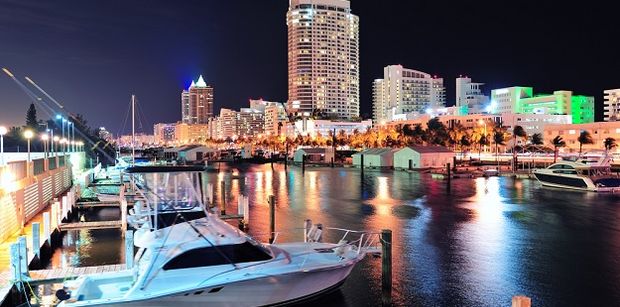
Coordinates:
(197, 103)
(323, 58)
(403, 91)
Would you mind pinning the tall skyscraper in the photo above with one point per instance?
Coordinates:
(403, 91)
(470, 94)
(197, 103)
(323, 57)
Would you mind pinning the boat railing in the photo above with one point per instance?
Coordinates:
(363, 241)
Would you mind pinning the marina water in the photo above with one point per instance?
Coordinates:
(477, 243)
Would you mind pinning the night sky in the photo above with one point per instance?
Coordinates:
(92, 55)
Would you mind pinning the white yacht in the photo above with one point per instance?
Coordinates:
(190, 257)
(583, 174)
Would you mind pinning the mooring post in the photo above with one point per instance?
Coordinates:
(332, 162)
(246, 213)
(362, 164)
(521, 301)
(46, 227)
(303, 164)
(53, 217)
(36, 238)
(286, 157)
(64, 206)
(223, 202)
(123, 216)
(272, 218)
(129, 249)
(16, 274)
(386, 267)
(307, 226)
(23, 255)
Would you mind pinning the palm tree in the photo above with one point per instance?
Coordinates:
(499, 137)
(518, 131)
(537, 139)
(584, 138)
(557, 143)
(610, 143)
(482, 141)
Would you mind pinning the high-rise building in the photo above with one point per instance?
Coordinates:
(323, 57)
(197, 103)
(250, 122)
(612, 105)
(228, 123)
(521, 100)
(403, 91)
(164, 133)
(469, 94)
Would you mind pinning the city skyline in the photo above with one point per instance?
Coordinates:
(104, 63)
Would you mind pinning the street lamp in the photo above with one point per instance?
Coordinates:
(56, 140)
(45, 138)
(3, 131)
(28, 134)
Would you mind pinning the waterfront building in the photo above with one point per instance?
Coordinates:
(570, 134)
(531, 123)
(419, 157)
(469, 95)
(249, 122)
(275, 116)
(197, 103)
(375, 158)
(611, 105)
(521, 100)
(314, 127)
(164, 133)
(141, 140)
(314, 155)
(228, 124)
(323, 58)
(403, 91)
(190, 133)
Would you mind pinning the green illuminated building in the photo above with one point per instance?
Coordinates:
(521, 100)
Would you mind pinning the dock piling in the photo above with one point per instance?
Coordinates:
(16, 274)
(386, 267)
(362, 165)
(307, 226)
(272, 218)
(223, 202)
(521, 301)
(46, 227)
(303, 164)
(36, 238)
(123, 216)
(23, 255)
(129, 249)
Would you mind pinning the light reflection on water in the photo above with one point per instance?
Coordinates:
(476, 244)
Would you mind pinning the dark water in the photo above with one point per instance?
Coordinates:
(477, 244)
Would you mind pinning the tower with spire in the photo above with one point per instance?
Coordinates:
(197, 102)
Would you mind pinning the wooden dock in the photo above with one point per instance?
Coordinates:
(62, 274)
(90, 225)
(97, 204)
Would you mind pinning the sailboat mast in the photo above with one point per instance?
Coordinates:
(133, 130)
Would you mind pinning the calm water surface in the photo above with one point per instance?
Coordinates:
(476, 244)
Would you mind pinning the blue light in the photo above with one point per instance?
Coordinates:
(58, 116)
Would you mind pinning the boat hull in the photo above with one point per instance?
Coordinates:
(565, 182)
(275, 290)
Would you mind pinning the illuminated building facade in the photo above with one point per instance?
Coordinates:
(164, 133)
(611, 105)
(521, 100)
(197, 103)
(469, 94)
(403, 91)
(323, 58)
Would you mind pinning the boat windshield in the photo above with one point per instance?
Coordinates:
(173, 191)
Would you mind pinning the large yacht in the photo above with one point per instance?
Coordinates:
(583, 174)
(191, 257)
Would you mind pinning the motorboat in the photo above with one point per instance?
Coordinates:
(582, 174)
(194, 258)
